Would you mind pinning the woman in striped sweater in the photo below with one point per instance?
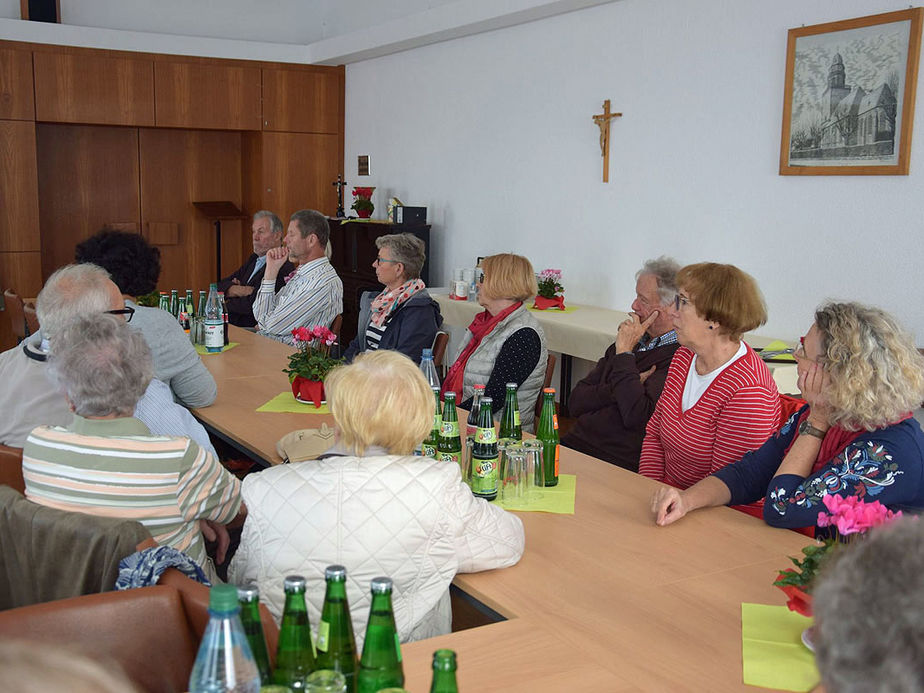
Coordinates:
(719, 399)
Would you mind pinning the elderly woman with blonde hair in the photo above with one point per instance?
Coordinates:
(719, 400)
(504, 343)
(371, 506)
(861, 376)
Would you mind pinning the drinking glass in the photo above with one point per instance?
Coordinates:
(532, 470)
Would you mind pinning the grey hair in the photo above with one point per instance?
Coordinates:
(312, 222)
(102, 365)
(409, 250)
(664, 269)
(71, 291)
(869, 609)
(275, 222)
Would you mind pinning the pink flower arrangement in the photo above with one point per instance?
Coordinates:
(312, 360)
(549, 281)
(849, 519)
(850, 515)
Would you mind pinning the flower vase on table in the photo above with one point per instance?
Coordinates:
(551, 292)
(311, 363)
(362, 201)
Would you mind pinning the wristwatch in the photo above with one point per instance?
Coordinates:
(805, 428)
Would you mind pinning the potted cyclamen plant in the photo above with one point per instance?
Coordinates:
(551, 291)
(362, 201)
(311, 363)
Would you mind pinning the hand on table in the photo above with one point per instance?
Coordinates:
(213, 531)
(275, 259)
(631, 330)
(237, 290)
(667, 505)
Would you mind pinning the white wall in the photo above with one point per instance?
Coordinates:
(494, 134)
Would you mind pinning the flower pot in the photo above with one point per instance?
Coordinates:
(364, 213)
(799, 600)
(543, 303)
(308, 390)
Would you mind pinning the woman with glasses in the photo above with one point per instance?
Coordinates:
(403, 317)
(504, 344)
(861, 376)
(719, 399)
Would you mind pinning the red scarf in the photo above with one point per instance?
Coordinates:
(483, 323)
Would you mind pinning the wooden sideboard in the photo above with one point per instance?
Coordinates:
(354, 251)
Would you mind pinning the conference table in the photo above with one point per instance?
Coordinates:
(602, 600)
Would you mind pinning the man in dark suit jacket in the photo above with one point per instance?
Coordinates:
(241, 286)
(616, 399)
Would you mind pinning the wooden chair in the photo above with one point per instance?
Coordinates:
(335, 327)
(32, 323)
(549, 369)
(11, 468)
(14, 311)
(440, 342)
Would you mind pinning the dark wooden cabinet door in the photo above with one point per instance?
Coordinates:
(19, 210)
(197, 95)
(81, 88)
(16, 93)
(303, 100)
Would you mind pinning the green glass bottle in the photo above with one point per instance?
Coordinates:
(432, 441)
(295, 653)
(444, 672)
(174, 303)
(249, 599)
(380, 665)
(547, 432)
(471, 425)
(164, 301)
(510, 421)
(449, 447)
(484, 454)
(336, 643)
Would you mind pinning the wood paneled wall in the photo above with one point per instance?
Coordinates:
(91, 137)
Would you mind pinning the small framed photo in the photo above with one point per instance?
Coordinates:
(848, 106)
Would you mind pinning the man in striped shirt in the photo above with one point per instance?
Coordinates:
(313, 296)
(106, 462)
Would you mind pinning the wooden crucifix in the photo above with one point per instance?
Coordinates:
(603, 122)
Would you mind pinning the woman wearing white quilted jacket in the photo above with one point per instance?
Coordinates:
(371, 506)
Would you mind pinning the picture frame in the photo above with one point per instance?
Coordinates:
(848, 102)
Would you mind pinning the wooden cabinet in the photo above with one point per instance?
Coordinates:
(199, 95)
(88, 88)
(16, 101)
(19, 210)
(354, 250)
(303, 100)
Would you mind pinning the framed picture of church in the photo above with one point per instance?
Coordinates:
(848, 106)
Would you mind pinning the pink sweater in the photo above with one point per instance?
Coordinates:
(738, 411)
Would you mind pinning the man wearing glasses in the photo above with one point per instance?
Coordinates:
(614, 402)
(29, 399)
(314, 296)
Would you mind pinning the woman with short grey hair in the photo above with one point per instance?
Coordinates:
(102, 381)
(403, 317)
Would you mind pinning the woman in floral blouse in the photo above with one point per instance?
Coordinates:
(862, 377)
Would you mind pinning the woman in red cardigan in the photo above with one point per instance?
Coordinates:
(719, 400)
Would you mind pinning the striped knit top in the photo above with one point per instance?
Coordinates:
(116, 468)
(738, 411)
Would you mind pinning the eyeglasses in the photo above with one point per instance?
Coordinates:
(799, 352)
(380, 260)
(126, 311)
(680, 301)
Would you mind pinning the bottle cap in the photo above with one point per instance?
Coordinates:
(549, 389)
(444, 660)
(294, 582)
(479, 386)
(426, 353)
(450, 396)
(487, 400)
(335, 572)
(223, 599)
(511, 385)
(248, 594)
(436, 390)
(381, 585)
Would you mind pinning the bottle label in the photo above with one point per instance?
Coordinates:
(557, 450)
(484, 476)
(323, 635)
(555, 421)
(485, 435)
(214, 334)
(516, 417)
(450, 457)
(449, 428)
(428, 451)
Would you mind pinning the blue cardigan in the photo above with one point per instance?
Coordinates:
(410, 329)
(885, 465)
